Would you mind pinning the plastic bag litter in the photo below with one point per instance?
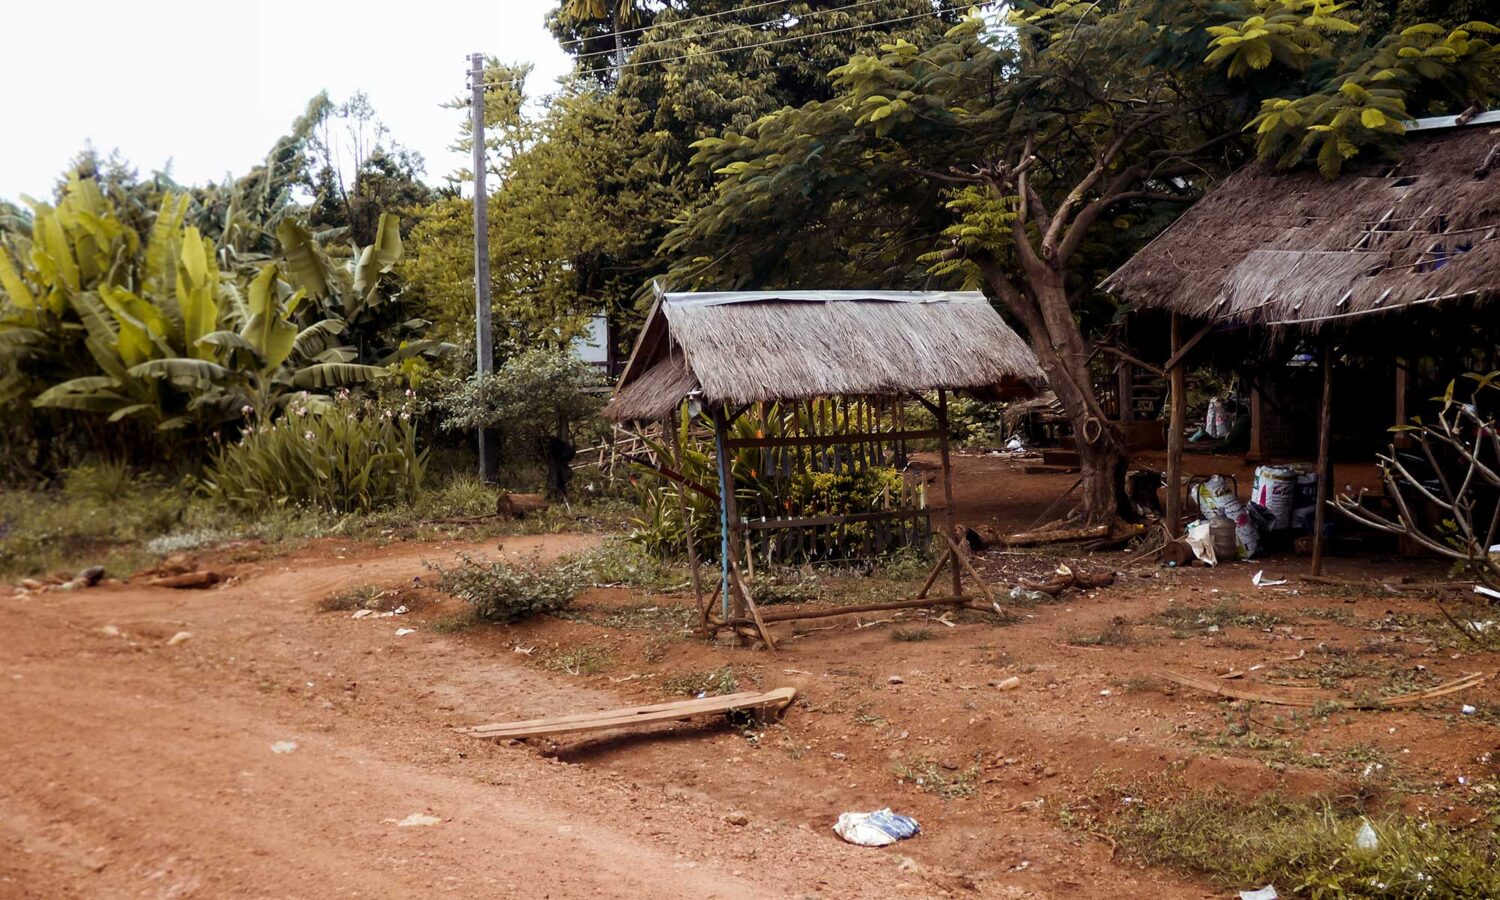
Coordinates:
(875, 829)
(1366, 839)
(1266, 893)
(1197, 538)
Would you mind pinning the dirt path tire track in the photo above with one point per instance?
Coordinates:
(137, 769)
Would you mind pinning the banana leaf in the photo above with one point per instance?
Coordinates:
(305, 263)
(328, 375)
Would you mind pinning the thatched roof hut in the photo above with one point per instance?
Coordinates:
(1279, 249)
(746, 346)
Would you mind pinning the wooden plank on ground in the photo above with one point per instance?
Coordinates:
(775, 701)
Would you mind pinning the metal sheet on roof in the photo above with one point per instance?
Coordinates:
(720, 298)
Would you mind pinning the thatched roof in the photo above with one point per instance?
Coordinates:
(746, 346)
(1299, 250)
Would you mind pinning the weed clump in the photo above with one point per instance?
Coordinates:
(911, 635)
(935, 778)
(710, 683)
(505, 592)
(1304, 847)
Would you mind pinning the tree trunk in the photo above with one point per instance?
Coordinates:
(1047, 317)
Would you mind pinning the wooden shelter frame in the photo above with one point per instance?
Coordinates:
(732, 607)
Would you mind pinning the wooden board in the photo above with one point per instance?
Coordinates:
(775, 701)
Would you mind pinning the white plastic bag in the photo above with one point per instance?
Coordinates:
(875, 829)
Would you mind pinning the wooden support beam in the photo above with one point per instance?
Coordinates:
(831, 611)
(670, 474)
(1402, 439)
(1325, 466)
(826, 440)
(1257, 425)
(958, 554)
(1183, 349)
(1132, 359)
(1176, 425)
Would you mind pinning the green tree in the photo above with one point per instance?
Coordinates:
(1001, 159)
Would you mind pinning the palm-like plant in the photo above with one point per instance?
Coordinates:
(93, 321)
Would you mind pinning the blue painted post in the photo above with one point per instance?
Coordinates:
(726, 504)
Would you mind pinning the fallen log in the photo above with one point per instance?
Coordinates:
(1055, 535)
(516, 505)
(188, 580)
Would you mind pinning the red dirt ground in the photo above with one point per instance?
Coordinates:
(142, 769)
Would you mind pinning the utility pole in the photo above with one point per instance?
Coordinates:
(484, 344)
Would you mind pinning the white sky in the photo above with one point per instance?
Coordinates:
(210, 85)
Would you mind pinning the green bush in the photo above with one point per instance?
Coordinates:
(339, 455)
(504, 592)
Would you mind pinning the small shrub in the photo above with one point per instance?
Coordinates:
(338, 455)
(712, 682)
(505, 593)
(934, 778)
(911, 635)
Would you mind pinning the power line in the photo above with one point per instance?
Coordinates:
(726, 30)
(723, 12)
(783, 40)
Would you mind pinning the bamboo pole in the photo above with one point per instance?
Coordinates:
(1325, 467)
(1176, 423)
(726, 510)
(948, 517)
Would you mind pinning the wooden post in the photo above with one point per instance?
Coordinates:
(1403, 376)
(669, 433)
(1176, 424)
(948, 517)
(1125, 391)
(1257, 426)
(1325, 467)
(489, 439)
(726, 508)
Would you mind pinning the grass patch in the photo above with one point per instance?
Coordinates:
(912, 635)
(712, 682)
(126, 520)
(1303, 847)
(663, 618)
(935, 778)
(1118, 633)
(452, 623)
(1187, 621)
(584, 660)
(365, 596)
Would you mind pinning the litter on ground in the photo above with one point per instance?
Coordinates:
(875, 829)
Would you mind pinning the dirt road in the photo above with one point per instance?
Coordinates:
(135, 768)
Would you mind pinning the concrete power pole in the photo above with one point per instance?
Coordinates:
(484, 344)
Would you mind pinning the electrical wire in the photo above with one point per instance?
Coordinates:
(800, 37)
(726, 30)
(722, 12)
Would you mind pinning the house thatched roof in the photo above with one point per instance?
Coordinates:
(1299, 250)
(746, 346)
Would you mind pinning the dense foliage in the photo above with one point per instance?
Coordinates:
(1028, 160)
(340, 455)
